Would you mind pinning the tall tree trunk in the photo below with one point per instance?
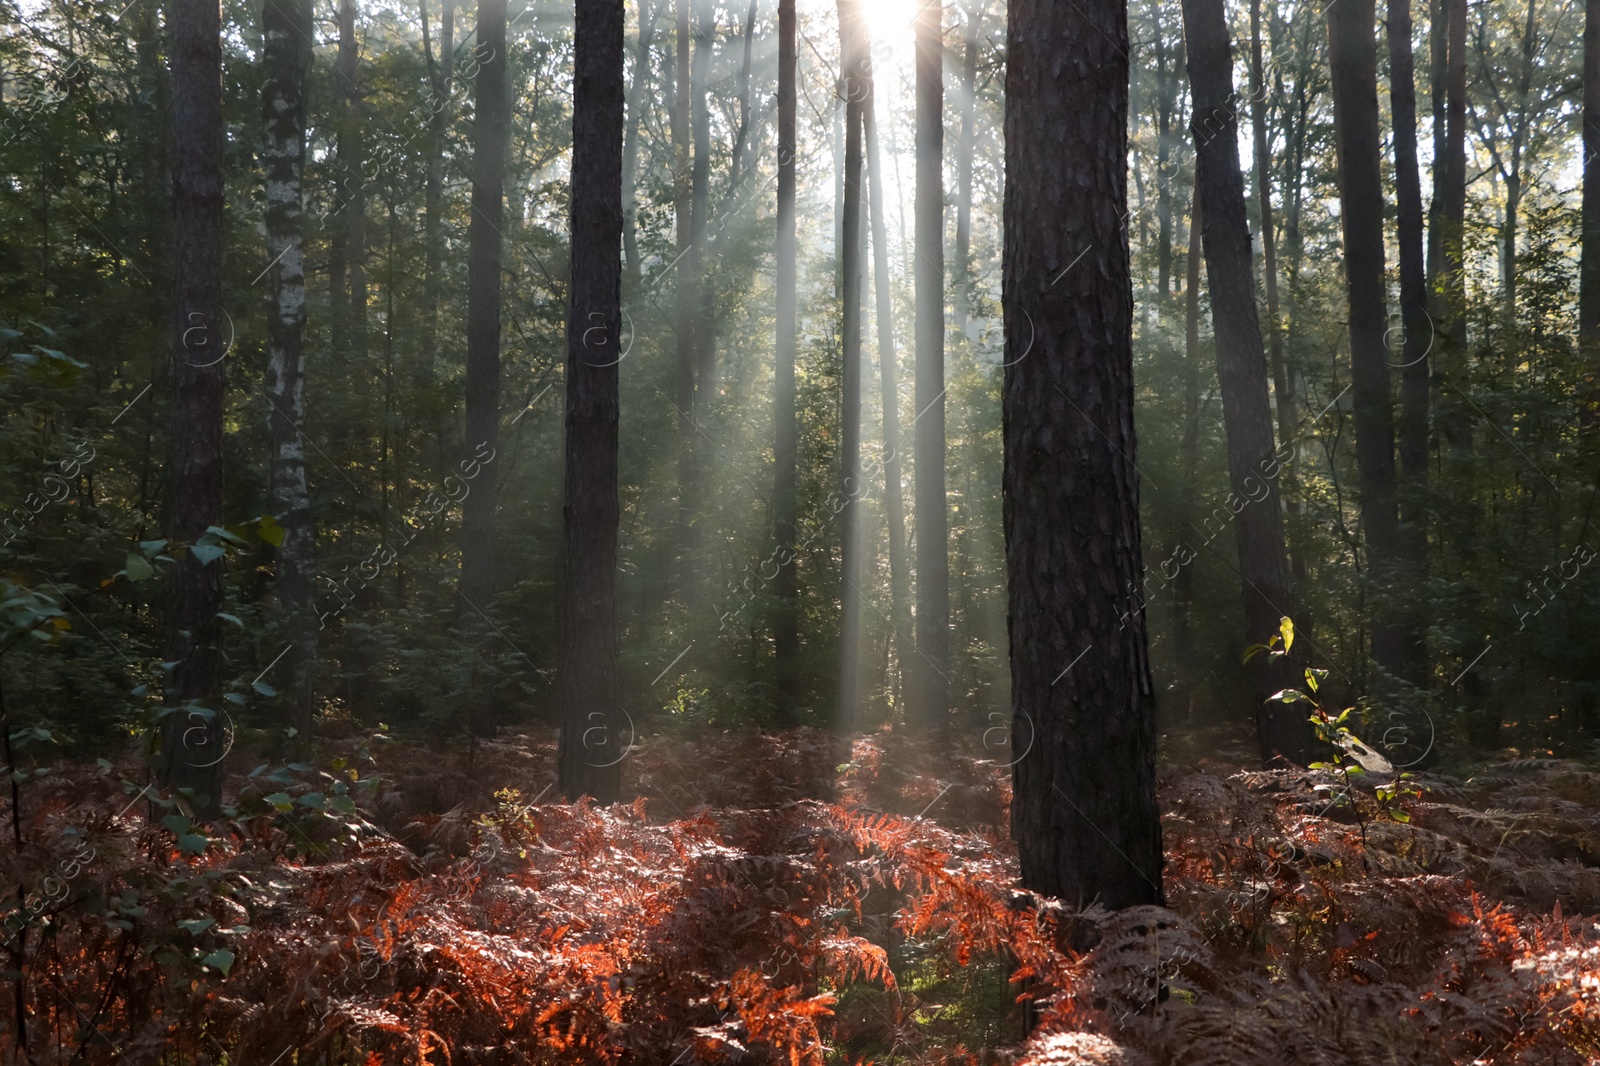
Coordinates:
(1167, 90)
(969, 112)
(1281, 728)
(286, 59)
(440, 72)
(352, 157)
(893, 502)
(491, 123)
(930, 692)
(786, 626)
(1589, 268)
(1083, 729)
(688, 293)
(1183, 581)
(1353, 62)
(1282, 383)
(741, 139)
(630, 146)
(705, 334)
(588, 691)
(1446, 264)
(1417, 329)
(193, 734)
(854, 63)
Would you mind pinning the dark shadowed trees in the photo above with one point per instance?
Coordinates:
(1083, 733)
(1253, 462)
(192, 736)
(1353, 60)
(491, 127)
(588, 693)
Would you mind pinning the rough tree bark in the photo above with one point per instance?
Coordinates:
(1265, 582)
(491, 124)
(850, 487)
(1083, 730)
(1183, 582)
(192, 736)
(1353, 62)
(588, 692)
(893, 501)
(286, 59)
(786, 626)
(1417, 329)
(930, 690)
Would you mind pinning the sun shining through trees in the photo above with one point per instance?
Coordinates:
(820, 532)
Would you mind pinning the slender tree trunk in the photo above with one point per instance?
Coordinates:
(850, 487)
(705, 334)
(786, 628)
(1167, 88)
(1450, 191)
(1083, 729)
(353, 137)
(1183, 581)
(588, 691)
(893, 502)
(491, 125)
(286, 58)
(1281, 728)
(688, 286)
(637, 96)
(1589, 268)
(193, 734)
(1353, 61)
(440, 72)
(1417, 328)
(969, 114)
(741, 140)
(930, 692)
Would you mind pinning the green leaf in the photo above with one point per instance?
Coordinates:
(177, 823)
(227, 535)
(235, 619)
(1252, 651)
(1311, 679)
(315, 800)
(206, 553)
(1286, 627)
(221, 959)
(281, 801)
(1289, 695)
(138, 568)
(152, 547)
(271, 532)
(1400, 816)
(196, 926)
(192, 843)
(263, 688)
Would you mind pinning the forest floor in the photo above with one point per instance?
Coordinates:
(791, 897)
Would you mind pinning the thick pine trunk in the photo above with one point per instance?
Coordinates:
(893, 501)
(850, 487)
(286, 58)
(491, 125)
(1353, 58)
(1417, 330)
(588, 691)
(786, 626)
(193, 735)
(1183, 581)
(930, 692)
(1083, 730)
(1253, 470)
